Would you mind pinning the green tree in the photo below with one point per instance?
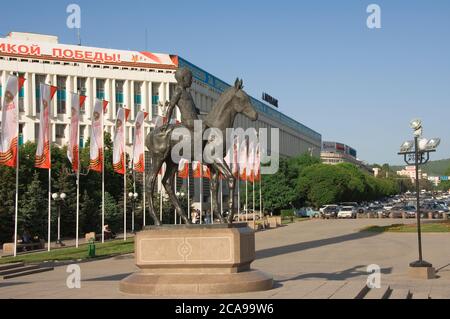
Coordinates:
(33, 213)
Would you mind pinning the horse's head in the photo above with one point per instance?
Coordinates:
(241, 102)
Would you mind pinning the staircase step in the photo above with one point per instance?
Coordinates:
(420, 295)
(400, 294)
(351, 290)
(26, 273)
(379, 293)
(11, 266)
(18, 269)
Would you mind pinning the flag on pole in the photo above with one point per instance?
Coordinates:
(43, 147)
(74, 147)
(243, 160)
(159, 121)
(257, 165)
(251, 162)
(206, 172)
(196, 169)
(183, 169)
(138, 143)
(9, 136)
(96, 147)
(119, 145)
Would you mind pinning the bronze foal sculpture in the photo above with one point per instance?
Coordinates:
(160, 143)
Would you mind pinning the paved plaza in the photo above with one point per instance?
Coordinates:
(312, 259)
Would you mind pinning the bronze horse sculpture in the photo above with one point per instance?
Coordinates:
(160, 144)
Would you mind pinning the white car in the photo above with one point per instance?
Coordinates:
(347, 212)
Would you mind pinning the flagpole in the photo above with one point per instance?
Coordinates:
(124, 180)
(260, 197)
(160, 198)
(175, 190)
(246, 199)
(50, 137)
(201, 193)
(254, 201)
(103, 177)
(188, 195)
(16, 211)
(143, 178)
(78, 183)
(221, 197)
(211, 214)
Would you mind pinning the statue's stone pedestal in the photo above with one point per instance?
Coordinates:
(195, 260)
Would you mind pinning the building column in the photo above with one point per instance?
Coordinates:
(54, 82)
(69, 91)
(126, 93)
(33, 95)
(27, 100)
(149, 106)
(132, 94)
(144, 96)
(112, 102)
(162, 97)
(89, 99)
(108, 98)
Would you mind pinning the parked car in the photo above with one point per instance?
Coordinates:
(410, 211)
(347, 212)
(375, 211)
(396, 212)
(330, 212)
(307, 212)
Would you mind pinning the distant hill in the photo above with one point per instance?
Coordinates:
(433, 168)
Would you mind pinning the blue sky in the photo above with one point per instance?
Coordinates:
(328, 70)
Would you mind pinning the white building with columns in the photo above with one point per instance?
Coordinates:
(136, 80)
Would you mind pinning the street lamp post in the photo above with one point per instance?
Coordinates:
(59, 198)
(417, 153)
(133, 197)
(181, 195)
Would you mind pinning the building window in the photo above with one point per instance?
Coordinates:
(61, 95)
(100, 89)
(81, 88)
(137, 97)
(119, 94)
(59, 130)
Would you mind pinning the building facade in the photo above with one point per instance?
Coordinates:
(136, 80)
(335, 153)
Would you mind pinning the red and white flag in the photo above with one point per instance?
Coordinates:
(206, 172)
(96, 147)
(74, 140)
(43, 147)
(257, 165)
(138, 144)
(243, 160)
(196, 169)
(251, 162)
(119, 141)
(159, 121)
(232, 157)
(183, 168)
(9, 137)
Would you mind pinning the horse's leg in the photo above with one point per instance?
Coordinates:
(223, 168)
(214, 193)
(168, 182)
(156, 166)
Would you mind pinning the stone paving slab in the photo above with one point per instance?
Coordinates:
(312, 259)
